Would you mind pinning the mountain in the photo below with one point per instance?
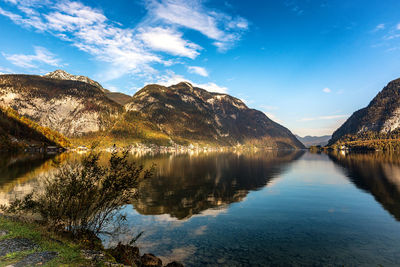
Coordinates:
(314, 140)
(63, 75)
(378, 120)
(72, 108)
(120, 98)
(82, 109)
(17, 132)
(192, 113)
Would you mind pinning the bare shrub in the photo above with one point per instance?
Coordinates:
(85, 197)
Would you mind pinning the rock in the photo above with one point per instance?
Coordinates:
(174, 264)
(16, 245)
(3, 233)
(93, 255)
(149, 260)
(126, 254)
(113, 264)
(38, 258)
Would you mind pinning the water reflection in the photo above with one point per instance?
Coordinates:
(19, 173)
(376, 173)
(185, 186)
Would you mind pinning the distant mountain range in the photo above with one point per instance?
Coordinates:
(314, 140)
(379, 120)
(80, 108)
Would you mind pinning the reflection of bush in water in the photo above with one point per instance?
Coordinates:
(86, 196)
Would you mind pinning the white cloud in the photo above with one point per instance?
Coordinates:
(398, 26)
(326, 90)
(112, 88)
(5, 70)
(130, 50)
(320, 131)
(330, 117)
(379, 27)
(171, 79)
(272, 117)
(90, 31)
(42, 55)
(168, 40)
(192, 14)
(212, 87)
(198, 70)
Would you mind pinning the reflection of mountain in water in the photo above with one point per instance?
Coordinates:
(186, 185)
(376, 173)
(18, 173)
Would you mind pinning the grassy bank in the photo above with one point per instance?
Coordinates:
(69, 252)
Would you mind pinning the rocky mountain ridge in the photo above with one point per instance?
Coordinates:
(63, 75)
(118, 97)
(180, 113)
(381, 116)
(72, 108)
(193, 113)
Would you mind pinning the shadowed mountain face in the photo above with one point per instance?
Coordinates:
(382, 115)
(375, 173)
(185, 186)
(195, 114)
(17, 132)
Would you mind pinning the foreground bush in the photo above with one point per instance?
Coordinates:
(85, 197)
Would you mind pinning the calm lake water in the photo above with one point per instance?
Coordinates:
(278, 208)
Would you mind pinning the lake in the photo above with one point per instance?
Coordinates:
(272, 208)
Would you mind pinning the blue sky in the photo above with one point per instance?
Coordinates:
(307, 64)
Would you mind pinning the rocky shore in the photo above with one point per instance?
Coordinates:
(28, 244)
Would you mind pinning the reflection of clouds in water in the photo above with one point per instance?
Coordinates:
(205, 213)
(200, 230)
(213, 212)
(301, 173)
(273, 182)
(179, 254)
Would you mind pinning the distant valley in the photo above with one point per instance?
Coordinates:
(314, 140)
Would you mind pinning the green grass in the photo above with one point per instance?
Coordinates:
(68, 252)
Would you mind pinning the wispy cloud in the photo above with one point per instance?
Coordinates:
(198, 70)
(294, 7)
(273, 117)
(130, 50)
(168, 40)
(4, 70)
(267, 107)
(41, 56)
(330, 117)
(379, 27)
(326, 90)
(192, 14)
(172, 78)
